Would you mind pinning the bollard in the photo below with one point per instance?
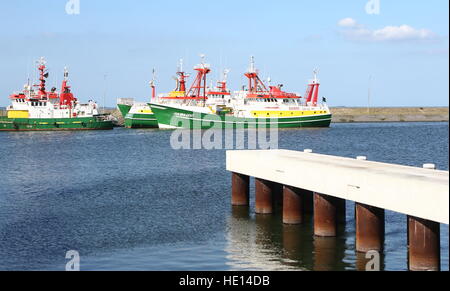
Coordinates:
(240, 189)
(264, 196)
(370, 228)
(292, 205)
(424, 245)
(429, 166)
(325, 215)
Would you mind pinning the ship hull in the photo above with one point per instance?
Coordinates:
(137, 120)
(140, 121)
(170, 117)
(124, 109)
(54, 124)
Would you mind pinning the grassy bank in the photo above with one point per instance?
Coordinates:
(390, 114)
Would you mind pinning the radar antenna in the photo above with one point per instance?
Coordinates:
(225, 74)
(66, 73)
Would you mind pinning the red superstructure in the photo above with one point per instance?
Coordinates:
(257, 88)
(197, 91)
(65, 97)
(312, 93)
(221, 89)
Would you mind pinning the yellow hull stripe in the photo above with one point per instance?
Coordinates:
(287, 113)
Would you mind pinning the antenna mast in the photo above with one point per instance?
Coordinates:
(223, 82)
(152, 83)
(369, 93)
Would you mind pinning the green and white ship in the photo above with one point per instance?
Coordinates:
(138, 114)
(259, 106)
(135, 114)
(35, 109)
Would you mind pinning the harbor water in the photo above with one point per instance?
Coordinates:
(125, 200)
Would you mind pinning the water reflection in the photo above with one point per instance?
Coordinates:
(263, 242)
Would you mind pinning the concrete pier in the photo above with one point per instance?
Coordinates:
(424, 245)
(264, 196)
(419, 193)
(325, 215)
(240, 189)
(369, 228)
(292, 205)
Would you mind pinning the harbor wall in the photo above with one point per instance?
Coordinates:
(390, 114)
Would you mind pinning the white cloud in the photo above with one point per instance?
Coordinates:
(403, 32)
(347, 22)
(355, 31)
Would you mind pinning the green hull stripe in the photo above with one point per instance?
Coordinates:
(175, 117)
(139, 120)
(253, 122)
(42, 124)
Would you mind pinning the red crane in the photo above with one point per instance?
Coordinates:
(198, 88)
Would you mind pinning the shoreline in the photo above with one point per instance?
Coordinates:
(389, 114)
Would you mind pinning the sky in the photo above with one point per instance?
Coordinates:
(399, 49)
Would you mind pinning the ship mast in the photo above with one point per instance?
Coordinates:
(66, 98)
(198, 88)
(254, 82)
(182, 76)
(43, 75)
(152, 84)
(223, 84)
